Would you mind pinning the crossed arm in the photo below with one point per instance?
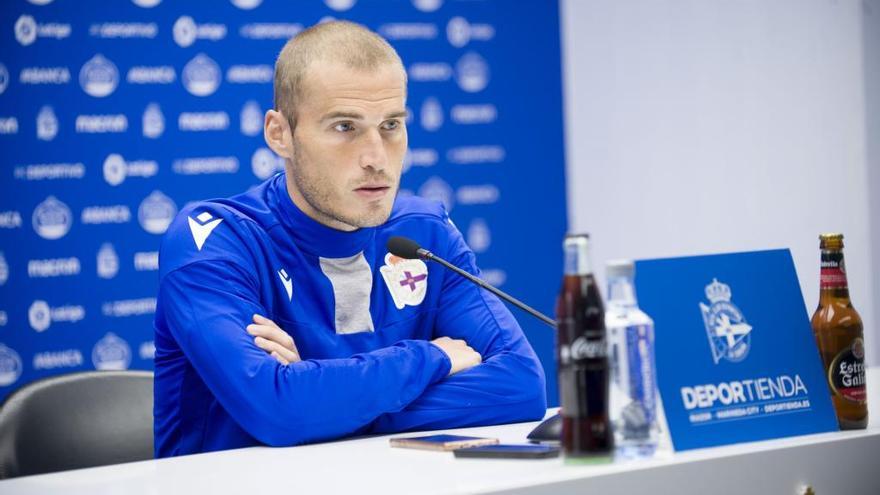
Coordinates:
(281, 346)
(494, 378)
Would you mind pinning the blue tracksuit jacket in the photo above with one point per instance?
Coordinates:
(361, 318)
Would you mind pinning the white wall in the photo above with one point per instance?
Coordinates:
(697, 126)
(871, 43)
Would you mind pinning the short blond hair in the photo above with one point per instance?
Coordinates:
(345, 42)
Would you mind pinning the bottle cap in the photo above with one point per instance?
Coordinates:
(571, 235)
(620, 268)
(576, 240)
(831, 240)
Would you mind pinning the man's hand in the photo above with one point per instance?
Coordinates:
(461, 354)
(272, 339)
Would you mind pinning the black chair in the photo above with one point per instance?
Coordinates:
(78, 420)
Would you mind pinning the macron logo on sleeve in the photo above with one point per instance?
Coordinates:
(202, 226)
(288, 283)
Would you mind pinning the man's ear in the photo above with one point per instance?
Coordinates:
(278, 135)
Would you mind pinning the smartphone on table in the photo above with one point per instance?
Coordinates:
(442, 442)
(504, 451)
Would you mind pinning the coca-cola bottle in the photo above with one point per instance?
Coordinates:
(582, 358)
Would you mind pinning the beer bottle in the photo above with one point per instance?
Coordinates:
(582, 358)
(838, 331)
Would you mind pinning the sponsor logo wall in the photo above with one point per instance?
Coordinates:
(114, 116)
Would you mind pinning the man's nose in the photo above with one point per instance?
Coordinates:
(373, 154)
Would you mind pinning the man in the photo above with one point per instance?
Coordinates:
(282, 319)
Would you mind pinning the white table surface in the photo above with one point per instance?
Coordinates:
(831, 463)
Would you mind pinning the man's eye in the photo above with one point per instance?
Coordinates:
(391, 125)
(343, 127)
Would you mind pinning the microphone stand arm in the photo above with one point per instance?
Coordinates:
(425, 254)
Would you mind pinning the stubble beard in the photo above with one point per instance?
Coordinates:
(318, 192)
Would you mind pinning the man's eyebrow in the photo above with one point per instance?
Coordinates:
(397, 115)
(356, 116)
(343, 115)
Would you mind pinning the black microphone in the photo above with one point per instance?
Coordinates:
(407, 248)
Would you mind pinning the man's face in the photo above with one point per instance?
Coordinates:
(348, 144)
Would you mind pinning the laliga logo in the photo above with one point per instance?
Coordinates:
(251, 119)
(156, 213)
(26, 30)
(431, 114)
(472, 73)
(153, 122)
(458, 31)
(437, 189)
(111, 353)
(52, 219)
(108, 261)
(99, 77)
(47, 124)
(4, 78)
(184, 31)
(4, 270)
(265, 163)
(39, 316)
(201, 75)
(10, 366)
(729, 334)
(479, 238)
(114, 169)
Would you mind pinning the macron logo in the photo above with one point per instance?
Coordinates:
(288, 283)
(202, 226)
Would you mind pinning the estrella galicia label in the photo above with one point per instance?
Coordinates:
(847, 373)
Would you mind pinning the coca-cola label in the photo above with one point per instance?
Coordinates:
(847, 373)
(583, 348)
(832, 273)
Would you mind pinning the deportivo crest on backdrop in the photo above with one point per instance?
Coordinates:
(112, 121)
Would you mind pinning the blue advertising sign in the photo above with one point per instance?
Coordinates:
(736, 357)
(115, 115)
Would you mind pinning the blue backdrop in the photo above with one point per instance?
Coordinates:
(113, 115)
